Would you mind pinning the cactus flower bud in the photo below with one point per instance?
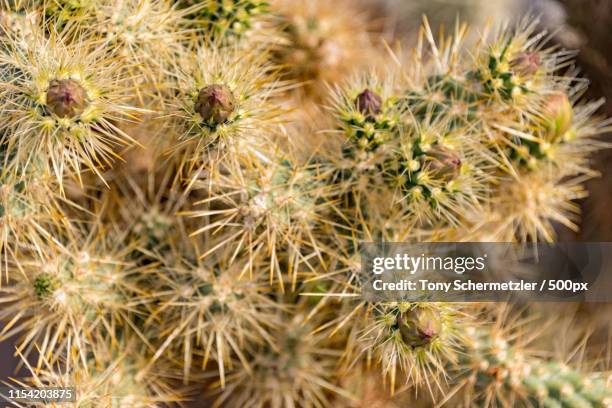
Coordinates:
(369, 104)
(442, 162)
(215, 102)
(559, 115)
(66, 98)
(526, 64)
(420, 326)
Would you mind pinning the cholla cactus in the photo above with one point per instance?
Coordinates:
(223, 105)
(144, 33)
(415, 340)
(270, 209)
(108, 381)
(501, 371)
(26, 202)
(323, 42)
(61, 103)
(226, 18)
(63, 298)
(527, 205)
(301, 368)
(423, 163)
(222, 313)
(224, 256)
(460, 123)
(453, 117)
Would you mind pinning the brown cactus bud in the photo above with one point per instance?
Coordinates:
(559, 115)
(368, 103)
(442, 162)
(526, 63)
(215, 102)
(66, 98)
(419, 326)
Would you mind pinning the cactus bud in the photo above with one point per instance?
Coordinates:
(215, 102)
(369, 104)
(66, 98)
(419, 326)
(559, 115)
(526, 63)
(442, 162)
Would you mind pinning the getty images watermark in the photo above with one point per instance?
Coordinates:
(482, 272)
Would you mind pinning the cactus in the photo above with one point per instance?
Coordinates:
(412, 340)
(184, 187)
(322, 42)
(79, 288)
(221, 312)
(109, 380)
(64, 99)
(225, 18)
(300, 369)
(270, 209)
(502, 373)
(222, 106)
(24, 203)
